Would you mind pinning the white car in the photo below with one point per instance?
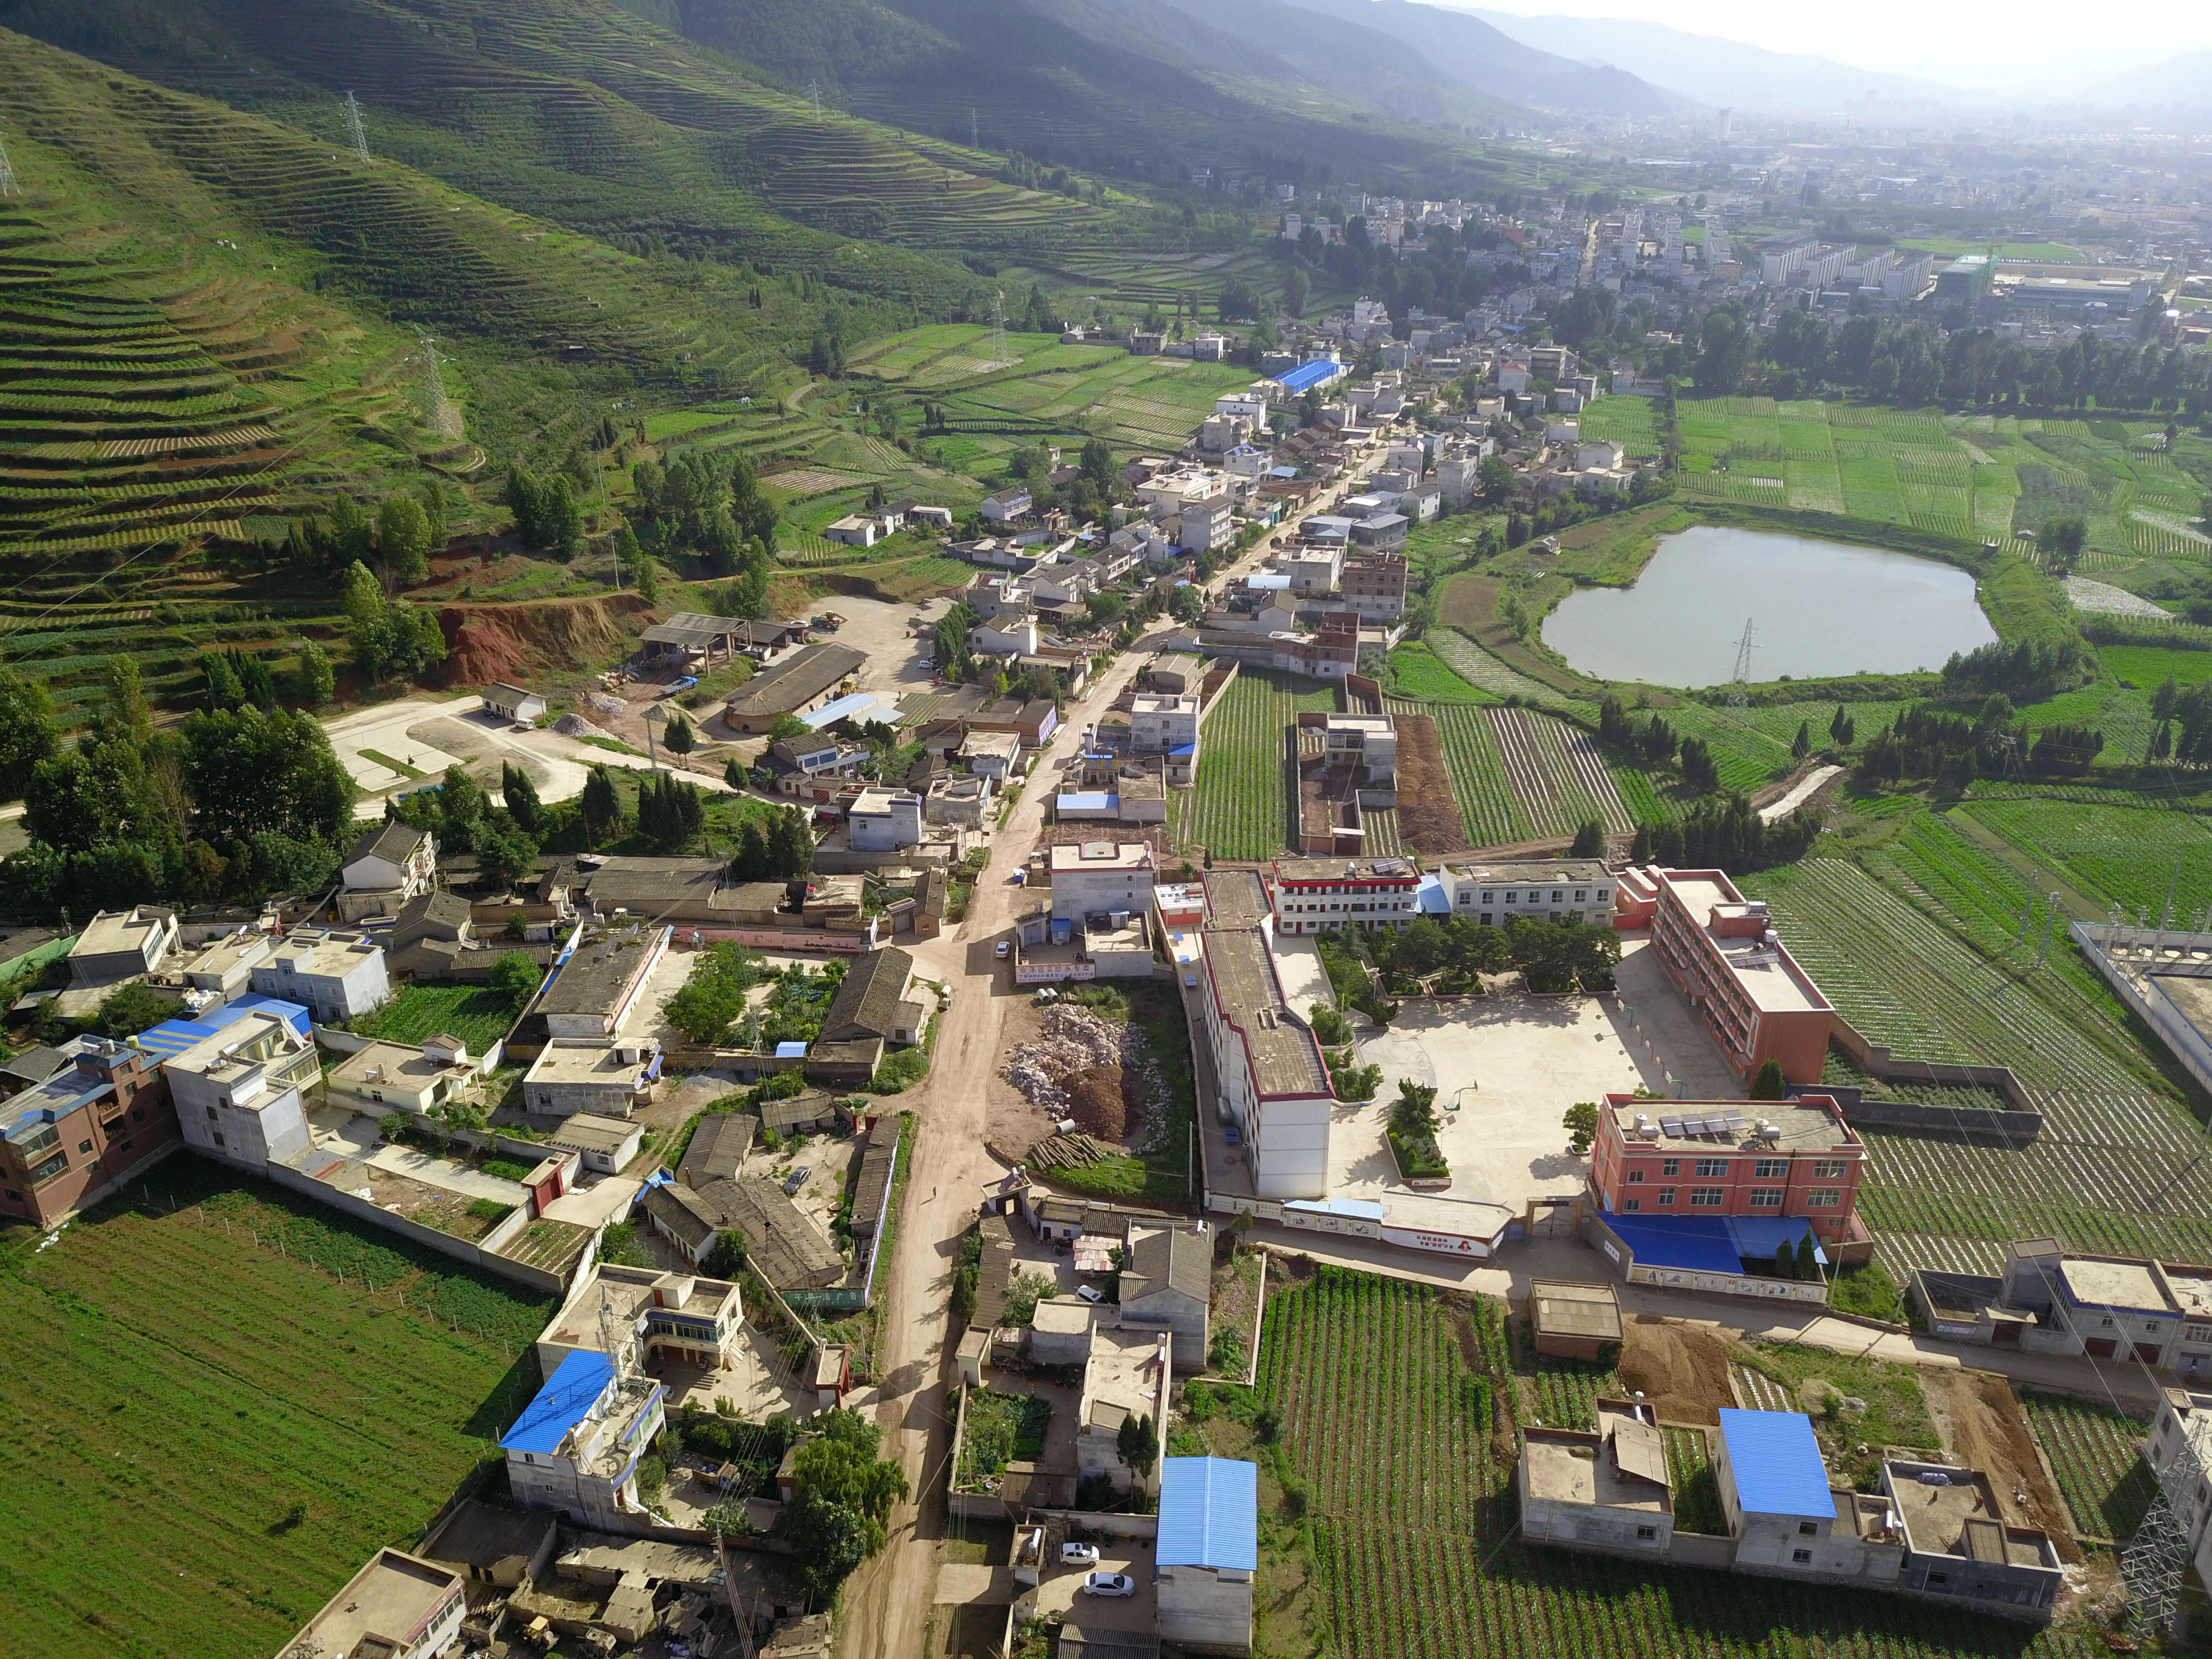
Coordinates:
(1089, 1293)
(1078, 1555)
(1108, 1583)
(1003, 948)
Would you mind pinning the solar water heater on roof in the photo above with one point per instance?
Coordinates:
(1672, 1125)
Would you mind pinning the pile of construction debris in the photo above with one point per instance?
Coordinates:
(1076, 1043)
(574, 726)
(604, 703)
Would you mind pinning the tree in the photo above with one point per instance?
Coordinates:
(1493, 480)
(314, 682)
(601, 805)
(27, 733)
(2061, 540)
(679, 739)
(504, 852)
(1187, 603)
(1769, 1085)
(520, 796)
(828, 1541)
(1699, 771)
(1580, 1123)
(1802, 745)
(131, 1009)
(1137, 1445)
(714, 998)
(1843, 728)
(1098, 465)
(402, 539)
(1589, 841)
(1807, 1265)
(788, 728)
(1296, 289)
(1413, 1113)
(726, 1258)
(1106, 607)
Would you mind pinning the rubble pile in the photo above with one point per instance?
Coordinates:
(1077, 1042)
(604, 703)
(574, 726)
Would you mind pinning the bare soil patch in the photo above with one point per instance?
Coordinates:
(1681, 1369)
(1428, 813)
(1010, 1125)
(1983, 1428)
(1094, 1101)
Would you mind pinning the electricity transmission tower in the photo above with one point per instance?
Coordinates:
(814, 97)
(430, 387)
(999, 327)
(2152, 1564)
(1739, 698)
(6, 173)
(974, 142)
(354, 135)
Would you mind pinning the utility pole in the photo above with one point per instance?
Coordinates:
(2049, 916)
(354, 135)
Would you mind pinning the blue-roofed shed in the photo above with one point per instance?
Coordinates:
(1306, 376)
(294, 1014)
(791, 1051)
(1772, 1463)
(1706, 1243)
(567, 1399)
(1430, 897)
(1209, 1514)
(172, 1036)
(858, 707)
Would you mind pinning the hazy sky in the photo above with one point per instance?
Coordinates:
(1963, 42)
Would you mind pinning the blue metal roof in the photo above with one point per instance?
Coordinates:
(1085, 801)
(1696, 1243)
(1775, 1464)
(1269, 581)
(1430, 897)
(294, 1014)
(1320, 372)
(1757, 1236)
(1365, 1209)
(566, 1399)
(854, 706)
(790, 1051)
(1209, 1514)
(172, 1036)
(1182, 749)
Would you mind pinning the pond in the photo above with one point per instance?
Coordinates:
(1817, 609)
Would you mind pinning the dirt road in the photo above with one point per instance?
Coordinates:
(886, 1605)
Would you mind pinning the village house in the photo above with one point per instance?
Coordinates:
(100, 1113)
(1208, 1556)
(389, 866)
(120, 945)
(338, 976)
(576, 1447)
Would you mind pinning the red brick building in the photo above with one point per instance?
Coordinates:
(1721, 953)
(1373, 585)
(67, 1141)
(1765, 1159)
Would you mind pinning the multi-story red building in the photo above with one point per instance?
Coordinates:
(1764, 1159)
(1722, 954)
(1312, 895)
(69, 1139)
(1373, 585)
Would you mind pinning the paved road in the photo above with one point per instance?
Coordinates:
(887, 1603)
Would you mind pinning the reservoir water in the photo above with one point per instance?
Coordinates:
(1817, 609)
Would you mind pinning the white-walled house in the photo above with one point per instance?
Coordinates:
(338, 976)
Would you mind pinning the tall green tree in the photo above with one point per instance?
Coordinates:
(521, 797)
(403, 538)
(28, 732)
(602, 807)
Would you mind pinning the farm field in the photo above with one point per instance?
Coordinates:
(2096, 1452)
(1241, 806)
(475, 1013)
(1632, 422)
(199, 1474)
(1401, 1447)
(1919, 950)
(2114, 849)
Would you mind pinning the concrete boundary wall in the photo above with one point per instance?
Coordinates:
(2146, 997)
(461, 1250)
(1876, 1061)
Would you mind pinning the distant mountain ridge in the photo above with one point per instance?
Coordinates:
(2184, 81)
(1713, 70)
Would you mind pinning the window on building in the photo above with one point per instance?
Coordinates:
(2106, 1322)
(2197, 1333)
(1557, 893)
(218, 1140)
(1636, 1177)
(1666, 1195)
(52, 1167)
(1938, 1578)
(2150, 1326)
(1672, 1166)
(139, 1116)
(1771, 1169)
(1766, 1198)
(1807, 1530)
(1824, 1198)
(1647, 1532)
(1705, 1198)
(86, 1147)
(1800, 1557)
(1827, 1168)
(1712, 1166)
(210, 1114)
(1629, 1205)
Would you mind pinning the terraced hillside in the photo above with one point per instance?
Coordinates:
(593, 118)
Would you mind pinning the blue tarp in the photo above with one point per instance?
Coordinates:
(1209, 1514)
(1757, 1236)
(1699, 1243)
(1182, 749)
(1087, 801)
(791, 1051)
(566, 1399)
(1775, 1464)
(1430, 897)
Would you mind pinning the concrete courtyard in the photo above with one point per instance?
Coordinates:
(1507, 1066)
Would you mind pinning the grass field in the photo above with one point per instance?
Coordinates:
(196, 1472)
(1397, 1409)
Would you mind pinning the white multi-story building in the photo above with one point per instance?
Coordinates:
(1565, 889)
(1275, 1096)
(884, 820)
(576, 1447)
(337, 976)
(238, 1093)
(1367, 740)
(1167, 724)
(389, 866)
(397, 1606)
(1098, 877)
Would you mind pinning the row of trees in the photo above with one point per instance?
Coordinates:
(409, 525)
(1926, 742)
(1652, 741)
(1727, 833)
(1553, 954)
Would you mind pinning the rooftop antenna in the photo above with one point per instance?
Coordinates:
(6, 173)
(354, 135)
(1738, 695)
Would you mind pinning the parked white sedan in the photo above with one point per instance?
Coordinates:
(1078, 1555)
(1108, 1583)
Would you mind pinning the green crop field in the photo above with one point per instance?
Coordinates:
(1629, 422)
(1241, 807)
(1397, 1445)
(1921, 950)
(2111, 847)
(475, 1013)
(2096, 1453)
(218, 1414)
